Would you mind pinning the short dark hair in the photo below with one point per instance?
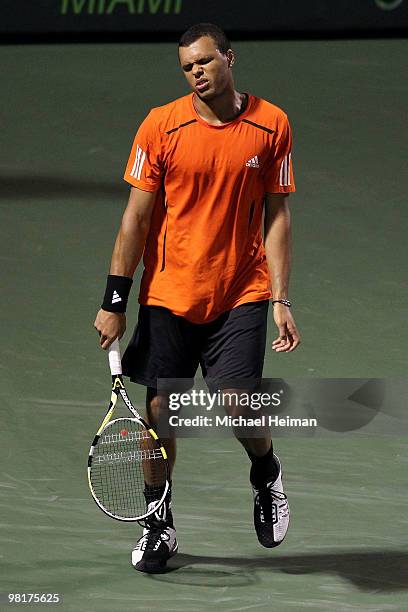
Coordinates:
(206, 29)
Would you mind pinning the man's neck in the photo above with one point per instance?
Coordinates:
(223, 109)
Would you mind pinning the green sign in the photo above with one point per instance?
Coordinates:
(133, 7)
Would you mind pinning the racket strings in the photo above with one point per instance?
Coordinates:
(126, 461)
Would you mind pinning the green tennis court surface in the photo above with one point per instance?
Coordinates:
(69, 117)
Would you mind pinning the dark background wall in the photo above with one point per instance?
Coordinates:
(173, 16)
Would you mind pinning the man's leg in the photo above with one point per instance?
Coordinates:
(157, 407)
(256, 441)
(158, 542)
(232, 358)
(271, 509)
(162, 347)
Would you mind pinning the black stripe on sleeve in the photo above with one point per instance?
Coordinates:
(260, 127)
(182, 125)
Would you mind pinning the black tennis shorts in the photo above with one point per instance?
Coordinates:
(230, 350)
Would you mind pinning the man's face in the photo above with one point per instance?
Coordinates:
(206, 69)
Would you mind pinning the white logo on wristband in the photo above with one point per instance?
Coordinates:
(116, 297)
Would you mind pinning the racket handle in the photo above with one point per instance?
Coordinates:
(115, 363)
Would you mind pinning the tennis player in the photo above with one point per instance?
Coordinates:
(206, 171)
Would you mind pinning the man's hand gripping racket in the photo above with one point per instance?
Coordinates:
(128, 471)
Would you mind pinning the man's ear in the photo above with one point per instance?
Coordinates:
(230, 57)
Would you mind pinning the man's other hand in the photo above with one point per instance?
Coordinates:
(289, 337)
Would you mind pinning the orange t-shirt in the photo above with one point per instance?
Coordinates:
(204, 252)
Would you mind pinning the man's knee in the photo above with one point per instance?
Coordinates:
(156, 404)
(236, 402)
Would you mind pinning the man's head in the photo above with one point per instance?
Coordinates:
(206, 59)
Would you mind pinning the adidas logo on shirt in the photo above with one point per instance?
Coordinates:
(253, 162)
(116, 298)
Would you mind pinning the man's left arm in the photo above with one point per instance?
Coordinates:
(278, 248)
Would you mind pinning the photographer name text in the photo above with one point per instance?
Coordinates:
(240, 421)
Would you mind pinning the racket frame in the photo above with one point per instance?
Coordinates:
(118, 388)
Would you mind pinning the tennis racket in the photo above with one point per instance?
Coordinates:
(128, 471)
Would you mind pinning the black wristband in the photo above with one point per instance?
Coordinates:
(116, 293)
(284, 302)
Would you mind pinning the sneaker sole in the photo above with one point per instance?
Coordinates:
(154, 567)
(267, 541)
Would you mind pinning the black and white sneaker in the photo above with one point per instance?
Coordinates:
(157, 544)
(271, 511)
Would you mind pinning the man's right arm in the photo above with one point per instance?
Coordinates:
(127, 252)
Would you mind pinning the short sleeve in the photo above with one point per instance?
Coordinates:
(144, 167)
(279, 173)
